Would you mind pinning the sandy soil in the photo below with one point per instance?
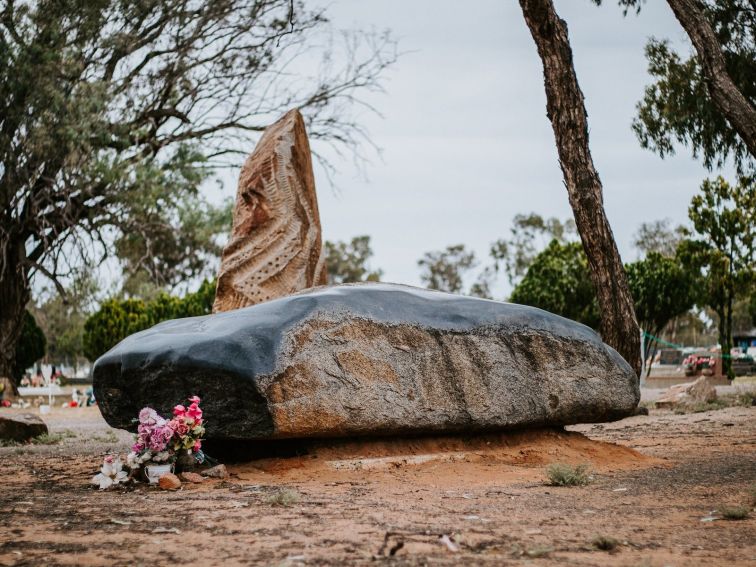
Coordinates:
(655, 478)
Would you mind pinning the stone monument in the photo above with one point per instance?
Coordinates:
(275, 247)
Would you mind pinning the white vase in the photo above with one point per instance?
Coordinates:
(154, 472)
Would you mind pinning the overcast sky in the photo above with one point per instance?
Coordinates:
(465, 138)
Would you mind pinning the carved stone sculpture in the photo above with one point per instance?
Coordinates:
(275, 247)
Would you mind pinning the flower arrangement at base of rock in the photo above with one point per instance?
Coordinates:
(111, 473)
(159, 441)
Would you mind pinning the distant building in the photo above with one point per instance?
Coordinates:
(744, 339)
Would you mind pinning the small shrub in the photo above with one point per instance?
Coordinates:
(284, 497)
(567, 475)
(604, 543)
(53, 438)
(734, 512)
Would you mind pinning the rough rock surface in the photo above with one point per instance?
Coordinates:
(21, 427)
(369, 359)
(701, 391)
(275, 247)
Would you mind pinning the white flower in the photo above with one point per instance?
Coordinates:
(111, 473)
(161, 456)
(145, 457)
(132, 460)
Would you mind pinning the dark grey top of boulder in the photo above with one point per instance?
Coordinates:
(245, 341)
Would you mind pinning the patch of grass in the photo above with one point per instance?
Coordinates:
(9, 443)
(744, 398)
(539, 551)
(107, 437)
(53, 438)
(604, 543)
(283, 497)
(566, 475)
(734, 512)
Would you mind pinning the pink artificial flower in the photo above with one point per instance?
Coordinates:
(194, 412)
(137, 447)
(197, 445)
(148, 416)
(179, 410)
(109, 459)
(195, 400)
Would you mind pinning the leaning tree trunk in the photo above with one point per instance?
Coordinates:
(566, 110)
(728, 99)
(14, 294)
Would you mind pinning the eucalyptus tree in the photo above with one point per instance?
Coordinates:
(102, 101)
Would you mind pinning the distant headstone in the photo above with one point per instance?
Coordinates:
(275, 247)
(369, 359)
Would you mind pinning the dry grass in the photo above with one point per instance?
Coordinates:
(284, 497)
(566, 475)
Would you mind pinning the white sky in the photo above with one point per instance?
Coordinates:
(465, 138)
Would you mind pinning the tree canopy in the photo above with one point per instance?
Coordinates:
(558, 280)
(678, 108)
(723, 250)
(31, 346)
(112, 112)
(117, 319)
(444, 269)
(348, 262)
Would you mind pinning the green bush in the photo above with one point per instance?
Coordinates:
(117, 319)
(31, 346)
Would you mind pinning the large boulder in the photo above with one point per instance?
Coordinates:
(369, 359)
(275, 247)
(21, 427)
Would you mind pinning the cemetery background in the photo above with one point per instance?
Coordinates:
(522, 261)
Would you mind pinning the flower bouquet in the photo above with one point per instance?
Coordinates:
(160, 443)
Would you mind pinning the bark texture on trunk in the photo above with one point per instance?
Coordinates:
(566, 110)
(740, 113)
(14, 295)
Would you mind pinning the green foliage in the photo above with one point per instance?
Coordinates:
(113, 113)
(658, 236)
(62, 318)
(566, 475)
(724, 219)
(677, 108)
(662, 289)
(347, 262)
(171, 233)
(31, 346)
(529, 235)
(117, 319)
(559, 281)
(444, 270)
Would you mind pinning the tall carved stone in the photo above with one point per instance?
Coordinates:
(275, 247)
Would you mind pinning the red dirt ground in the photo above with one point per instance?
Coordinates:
(655, 478)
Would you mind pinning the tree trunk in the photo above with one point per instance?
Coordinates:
(14, 294)
(726, 339)
(728, 99)
(566, 110)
